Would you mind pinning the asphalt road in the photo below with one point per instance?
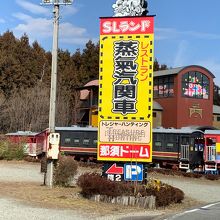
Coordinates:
(211, 211)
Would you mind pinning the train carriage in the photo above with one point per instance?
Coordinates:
(81, 142)
(28, 140)
(182, 148)
(212, 151)
(179, 148)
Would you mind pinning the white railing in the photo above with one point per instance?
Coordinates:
(184, 153)
(211, 153)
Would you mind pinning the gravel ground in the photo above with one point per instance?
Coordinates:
(17, 171)
(15, 209)
(202, 190)
(10, 209)
(18, 201)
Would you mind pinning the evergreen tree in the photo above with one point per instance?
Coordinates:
(158, 67)
(90, 63)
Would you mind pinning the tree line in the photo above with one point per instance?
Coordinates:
(25, 74)
(25, 71)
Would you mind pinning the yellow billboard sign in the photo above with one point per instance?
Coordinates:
(126, 87)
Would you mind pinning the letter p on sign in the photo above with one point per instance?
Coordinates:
(133, 172)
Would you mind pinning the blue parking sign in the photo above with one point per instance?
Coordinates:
(133, 172)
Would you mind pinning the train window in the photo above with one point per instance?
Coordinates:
(67, 140)
(95, 142)
(211, 141)
(76, 141)
(86, 141)
(158, 144)
(33, 140)
(171, 137)
(185, 140)
(158, 137)
(170, 145)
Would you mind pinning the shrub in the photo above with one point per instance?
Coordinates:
(65, 170)
(93, 184)
(166, 195)
(10, 150)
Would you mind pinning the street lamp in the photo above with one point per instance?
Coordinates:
(52, 112)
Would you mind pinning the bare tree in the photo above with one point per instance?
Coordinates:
(27, 109)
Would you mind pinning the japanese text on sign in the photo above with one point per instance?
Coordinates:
(125, 131)
(125, 71)
(127, 26)
(124, 151)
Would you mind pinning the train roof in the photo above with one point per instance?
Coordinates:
(22, 133)
(212, 132)
(76, 128)
(184, 130)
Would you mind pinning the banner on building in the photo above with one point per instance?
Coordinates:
(125, 89)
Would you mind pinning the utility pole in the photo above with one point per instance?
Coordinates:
(53, 89)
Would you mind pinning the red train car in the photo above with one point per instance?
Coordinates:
(212, 151)
(33, 142)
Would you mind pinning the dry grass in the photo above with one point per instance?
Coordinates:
(62, 198)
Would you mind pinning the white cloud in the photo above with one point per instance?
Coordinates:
(72, 35)
(33, 8)
(165, 33)
(67, 29)
(22, 16)
(171, 33)
(42, 28)
(34, 27)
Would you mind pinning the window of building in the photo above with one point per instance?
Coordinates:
(218, 118)
(163, 86)
(195, 85)
(154, 114)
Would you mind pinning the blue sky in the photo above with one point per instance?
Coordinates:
(187, 32)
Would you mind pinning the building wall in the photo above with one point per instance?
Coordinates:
(157, 119)
(194, 111)
(169, 106)
(216, 121)
(180, 111)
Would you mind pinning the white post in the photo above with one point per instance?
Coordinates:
(53, 89)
